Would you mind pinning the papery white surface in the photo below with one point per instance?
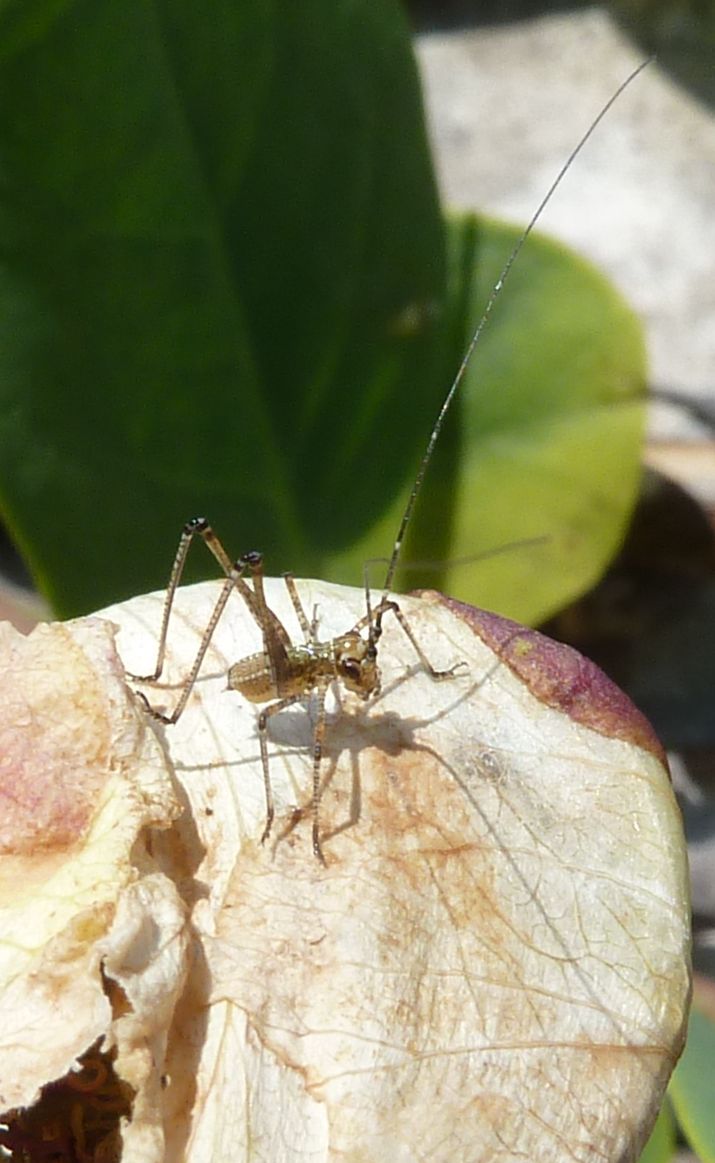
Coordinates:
(494, 963)
(84, 909)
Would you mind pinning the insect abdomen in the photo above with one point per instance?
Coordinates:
(253, 678)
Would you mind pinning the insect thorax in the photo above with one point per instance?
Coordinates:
(349, 659)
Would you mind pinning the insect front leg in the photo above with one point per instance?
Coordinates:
(389, 606)
(373, 620)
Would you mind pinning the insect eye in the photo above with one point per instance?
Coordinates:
(351, 667)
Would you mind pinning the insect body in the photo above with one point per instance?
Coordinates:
(283, 672)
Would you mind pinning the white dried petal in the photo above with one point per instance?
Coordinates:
(493, 964)
(85, 913)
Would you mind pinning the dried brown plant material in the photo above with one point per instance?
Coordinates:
(92, 932)
(493, 964)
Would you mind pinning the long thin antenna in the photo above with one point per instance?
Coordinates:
(496, 291)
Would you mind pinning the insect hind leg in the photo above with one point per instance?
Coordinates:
(233, 579)
(249, 562)
(197, 526)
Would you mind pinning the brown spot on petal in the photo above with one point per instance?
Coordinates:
(54, 741)
(562, 678)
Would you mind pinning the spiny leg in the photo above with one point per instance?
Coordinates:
(231, 582)
(274, 634)
(318, 740)
(263, 718)
(309, 628)
(276, 639)
(373, 619)
(196, 526)
(388, 605)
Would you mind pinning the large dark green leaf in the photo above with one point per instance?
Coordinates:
(213, 221)
(223, 291)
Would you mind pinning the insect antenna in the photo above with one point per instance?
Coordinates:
(382, 607)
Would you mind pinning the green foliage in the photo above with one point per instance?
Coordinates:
(660, 1147)
(226, 288)
(689, 1104)
(544, 436)
(692, 1088)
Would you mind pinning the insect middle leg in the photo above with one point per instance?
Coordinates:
(276, 651)
(310, 629)
(318, 740)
